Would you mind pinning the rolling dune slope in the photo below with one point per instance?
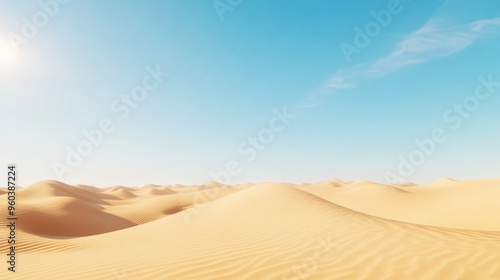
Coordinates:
(471, 205)
(256, 231)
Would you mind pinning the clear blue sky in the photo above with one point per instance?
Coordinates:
(355, 115)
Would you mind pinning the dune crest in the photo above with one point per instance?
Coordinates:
(329, 230)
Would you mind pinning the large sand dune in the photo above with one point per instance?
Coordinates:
(331, 230)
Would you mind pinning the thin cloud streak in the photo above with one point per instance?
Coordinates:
(436, 39)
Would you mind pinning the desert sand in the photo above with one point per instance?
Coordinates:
(330, 230)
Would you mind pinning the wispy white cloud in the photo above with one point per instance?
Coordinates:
(437, 38)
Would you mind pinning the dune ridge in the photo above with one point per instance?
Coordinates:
(330, 230)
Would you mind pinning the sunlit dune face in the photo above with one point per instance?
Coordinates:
(8, 55)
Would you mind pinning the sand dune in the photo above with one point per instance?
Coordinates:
(445, 203)
(330, 230)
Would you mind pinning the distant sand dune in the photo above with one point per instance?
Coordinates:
(330, 230)
(445, 203)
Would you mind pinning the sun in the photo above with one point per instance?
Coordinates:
(8, 55)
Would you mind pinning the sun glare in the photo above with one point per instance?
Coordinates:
(7, 54)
